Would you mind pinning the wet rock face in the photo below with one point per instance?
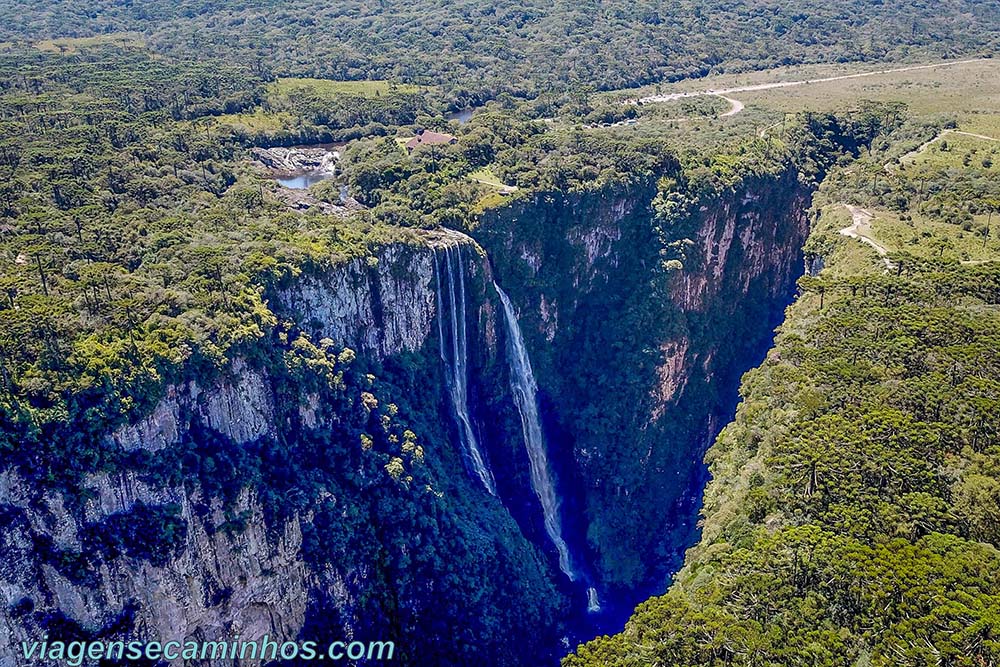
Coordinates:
(298, 159)
(637, 366)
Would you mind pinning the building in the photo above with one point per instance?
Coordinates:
(429, 138)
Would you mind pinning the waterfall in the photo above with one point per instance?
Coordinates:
(522, 382)
(593, 604)
(456, 363)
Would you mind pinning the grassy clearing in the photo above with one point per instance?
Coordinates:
(969, 93)
(953, 150)
(329, 88)
(491, 200)
(931, 239)
(714, 82)
(130, 40)
(918, 236)
(258, 121)
(966, 90)
(486, 177)
(982, 123)
(848, 257)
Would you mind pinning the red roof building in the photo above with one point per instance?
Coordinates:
(429, 138)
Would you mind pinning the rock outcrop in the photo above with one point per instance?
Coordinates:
(219, 584)
(637, 360)
(637, 356)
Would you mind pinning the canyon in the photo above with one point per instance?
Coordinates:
(554, 375)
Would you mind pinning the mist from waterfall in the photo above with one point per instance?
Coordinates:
(525, 389)
(593, 604)
(454, 355)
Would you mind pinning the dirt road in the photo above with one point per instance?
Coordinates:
(860, 229)
(739, 106)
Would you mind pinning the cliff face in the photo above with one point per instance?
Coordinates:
(216, 583)
(638, 356)
(321, 487)
(294, 503)
(383, 305)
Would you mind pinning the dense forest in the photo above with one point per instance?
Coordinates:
(853, 517)
(479, 50)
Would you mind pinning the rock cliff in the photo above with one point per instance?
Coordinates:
(293, 503)
(639, 326)
(318, 486)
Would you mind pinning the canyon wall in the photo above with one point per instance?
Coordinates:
(321, 487)
(639, 326)
(314, 489)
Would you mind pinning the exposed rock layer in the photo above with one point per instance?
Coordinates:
(636, 366)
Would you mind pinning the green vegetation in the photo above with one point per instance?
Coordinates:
(332, 90)
(854, 514)
(451, 184)
(74, 44)
(623, 319)
(852, 518)
(140, 249)
(136, 246)
(479, 51)
(153, 533)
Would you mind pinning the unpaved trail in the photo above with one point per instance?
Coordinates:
(860, 229)
(735, 108)
(763, 133)
(922, 148)
(503, 188)
(669, 97)
(973, 134)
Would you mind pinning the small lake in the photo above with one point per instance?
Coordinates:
(303, 180)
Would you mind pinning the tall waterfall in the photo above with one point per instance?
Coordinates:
(455, 358)
(522, 382)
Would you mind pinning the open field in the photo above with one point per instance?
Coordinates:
(973, 88)
(258, 121)
(73, 44)
(326, 87)
(932, 239)
(486, 176)
(965, 92)
(932, 86)
(956, 150)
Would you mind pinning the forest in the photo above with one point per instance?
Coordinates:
(853, 517)
(854, 514)
(482, 50)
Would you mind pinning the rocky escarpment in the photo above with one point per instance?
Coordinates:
(385, 305)
(639, 326)
(320, 487)
(312, 490)
(214, 584)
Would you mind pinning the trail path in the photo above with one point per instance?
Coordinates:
(860, 229)
(922, 148)
(502, 187)
(739, 106)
